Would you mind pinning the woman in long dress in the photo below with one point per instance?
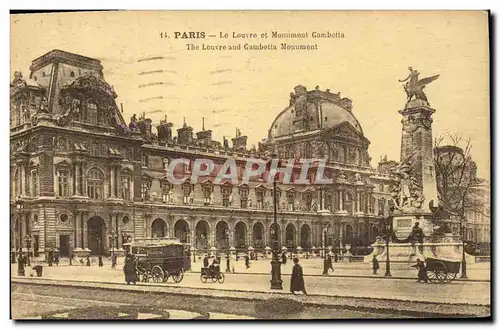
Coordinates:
(297, 280)
(129, 270)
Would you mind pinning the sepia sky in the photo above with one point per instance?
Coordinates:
(247, 89)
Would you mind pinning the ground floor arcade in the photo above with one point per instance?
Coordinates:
(102, 229)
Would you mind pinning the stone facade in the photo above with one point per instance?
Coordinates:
(84, 181)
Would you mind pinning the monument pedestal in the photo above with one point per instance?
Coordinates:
(446, 247)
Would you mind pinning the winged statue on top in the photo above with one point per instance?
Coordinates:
(415, 87)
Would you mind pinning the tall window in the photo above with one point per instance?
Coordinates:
(145, 186)
(63, 180)
(34, 183)
(125, 187)
(259, 194)
(166, 191)
(226, 192)
(371, 205)
(308, 200)
(207, 193)
(92, 113)
(381, 207)
(290, 198)
(101, 117)
(307, 151)
(278, 197)
(144, 161)
(95, 184)
(244, 197)
(188, 193)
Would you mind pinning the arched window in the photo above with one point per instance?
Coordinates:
(95, 184)
(307, 151)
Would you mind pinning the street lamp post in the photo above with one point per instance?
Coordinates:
(325, 265)
(27, 239)
(464, 264)
(227, 252)
(20, 259)
(194, 248)
(388, 230)
(113, 239)
(276, 282)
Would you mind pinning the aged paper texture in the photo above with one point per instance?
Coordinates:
(250, 165)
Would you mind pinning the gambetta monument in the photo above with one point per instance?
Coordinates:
(414, 201)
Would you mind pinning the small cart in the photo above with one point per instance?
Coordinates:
(441, 271)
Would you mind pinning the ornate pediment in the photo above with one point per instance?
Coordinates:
(93, 85)
(346, 131)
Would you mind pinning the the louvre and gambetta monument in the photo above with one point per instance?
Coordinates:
(84, 180)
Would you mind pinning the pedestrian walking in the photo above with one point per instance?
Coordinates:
(329, 263)
(205, 261)
(247, 262)
(99, 258)
(87, 261)
(56, 259)
(129, 270)
(297, 279)
(114, 259)
(283, 258)
(336, 257)
(375, 264)
(422, 271)
(71, 259)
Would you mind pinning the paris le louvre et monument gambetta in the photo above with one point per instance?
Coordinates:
(247, 165)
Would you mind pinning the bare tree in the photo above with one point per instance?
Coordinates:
(456, 175)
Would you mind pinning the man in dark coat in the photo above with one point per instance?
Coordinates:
(247, 262)
(114, 259)
(375, 264)
(283, 258)
(56, 258)
(297, 279)
(329, 263)
(129, 270)
(100, 261)
(87, 263)
(205, 261)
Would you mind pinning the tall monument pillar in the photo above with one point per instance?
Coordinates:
(417, 186)
(414, 194)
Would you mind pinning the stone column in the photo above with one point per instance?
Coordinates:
(77, 178)
(85, 233)
(119, 239)
(77, 244)
(112, 181)
(341, 200)
(118, 183)
(22, 180)
(84, 180)
(358, 202)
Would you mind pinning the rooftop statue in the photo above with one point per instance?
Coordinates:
(414, 87)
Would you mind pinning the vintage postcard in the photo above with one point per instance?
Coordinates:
(248, 165)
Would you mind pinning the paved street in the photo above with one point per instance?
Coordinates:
(314, 266)
(455, 292)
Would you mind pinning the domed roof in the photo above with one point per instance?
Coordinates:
(329, 112)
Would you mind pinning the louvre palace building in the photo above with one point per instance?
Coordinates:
(85, 180)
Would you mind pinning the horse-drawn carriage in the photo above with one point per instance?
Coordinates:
(441, 271)
(158, 259)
